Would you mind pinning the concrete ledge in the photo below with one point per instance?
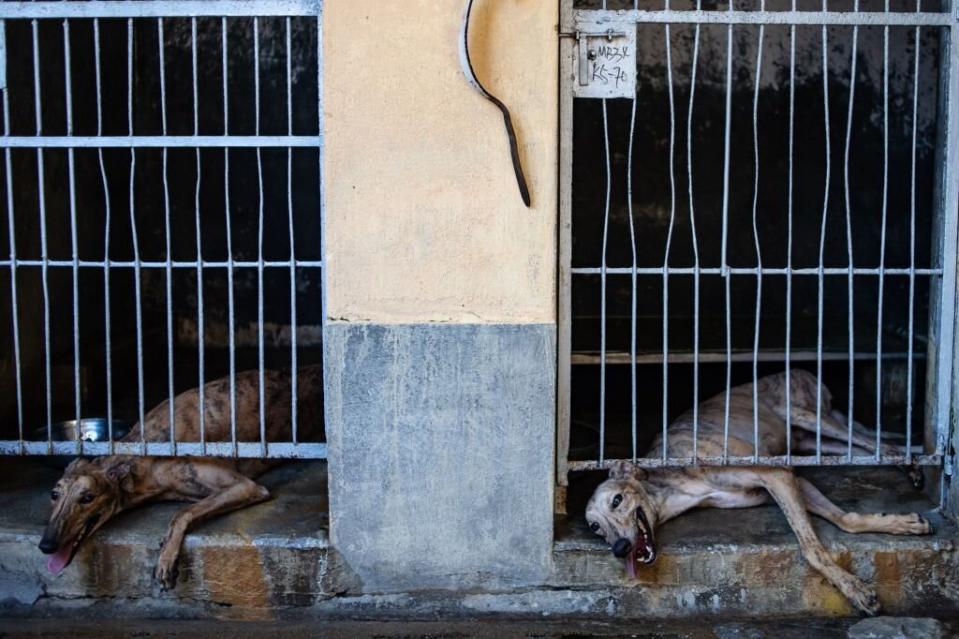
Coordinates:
(267, 556)
(747, 562)
(272, 562)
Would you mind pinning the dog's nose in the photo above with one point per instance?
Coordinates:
(621, 547)
(48, 545)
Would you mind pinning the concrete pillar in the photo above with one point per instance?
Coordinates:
(439, 343)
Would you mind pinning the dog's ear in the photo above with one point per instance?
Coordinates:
(119, 473)
(625, 470)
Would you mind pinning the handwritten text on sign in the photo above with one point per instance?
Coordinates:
(605, 65)
(607, 68)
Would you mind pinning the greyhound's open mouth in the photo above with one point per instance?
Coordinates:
(644, 548)
(59, 560)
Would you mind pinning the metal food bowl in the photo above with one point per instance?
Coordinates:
(91, 429)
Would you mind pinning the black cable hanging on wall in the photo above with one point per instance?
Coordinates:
(467, 65)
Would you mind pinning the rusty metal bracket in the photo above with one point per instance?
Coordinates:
(467, 65)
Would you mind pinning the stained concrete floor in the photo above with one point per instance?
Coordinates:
(461, 629)
(271, 561)
(863, 489)
(297, 510)
(268, 555)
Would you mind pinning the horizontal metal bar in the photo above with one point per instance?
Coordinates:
(155, 264)
(817, 18)
(778, 460)
(280, 450)
(158, 9)
(156, 141)
(688, 270)
(621, 357)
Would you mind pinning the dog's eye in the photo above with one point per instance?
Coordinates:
(86, 498)
(54, 495)
(594, 527)
(617, 500)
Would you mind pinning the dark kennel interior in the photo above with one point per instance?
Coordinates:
(138, 188)
(652, 205)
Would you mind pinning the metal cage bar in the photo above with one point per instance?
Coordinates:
(40, 144)
(941, 272)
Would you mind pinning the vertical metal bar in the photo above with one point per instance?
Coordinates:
(948, 204)
(759, 258)
(201, 341)
(320, 124)
(882, 239)
(108, 348)
(910, 364)
(692, 224)
(850, 278)
(669, 237)
(231, 320)
(41, 192)
(289, 208)
(602, 310)
(564, 292)
(725, 233)
(136, 241)
(71, 173)
(3, 55)
(259, 266)
(632, 241)
(161, 43)
(822, 239)
(602, 339)
(789, 236)
(602, 334)
(12, 239)
(632, 238)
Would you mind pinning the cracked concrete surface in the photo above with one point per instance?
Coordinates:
(271, 563)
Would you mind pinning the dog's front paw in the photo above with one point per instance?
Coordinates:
(863, 596)
(166, 573)
(911, 524)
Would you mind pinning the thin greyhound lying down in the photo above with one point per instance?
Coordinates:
(626, 508)
(91, 492)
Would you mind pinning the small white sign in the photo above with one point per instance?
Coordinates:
(605, 65)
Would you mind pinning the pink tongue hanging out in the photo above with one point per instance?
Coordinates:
(631, 563)
(639, 546)
(59, 560)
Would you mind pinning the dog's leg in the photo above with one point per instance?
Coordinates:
(819, 504)
(782, 485)
(238, 493)
(913, 471)
(861, 429)
(806, 443)
(834, 429)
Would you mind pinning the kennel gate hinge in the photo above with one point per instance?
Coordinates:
(605, 53)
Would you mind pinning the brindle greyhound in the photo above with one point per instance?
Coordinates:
(626, 508)
(91, 492)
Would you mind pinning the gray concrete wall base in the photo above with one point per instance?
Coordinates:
(441, 453)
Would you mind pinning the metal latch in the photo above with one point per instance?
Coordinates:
(606, 55)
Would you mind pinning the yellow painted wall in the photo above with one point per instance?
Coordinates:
(424, 222)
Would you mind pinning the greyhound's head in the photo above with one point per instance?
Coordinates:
(88, 494)
(622, 512)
